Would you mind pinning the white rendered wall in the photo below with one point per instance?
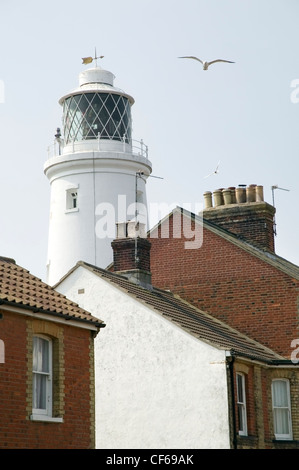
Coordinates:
(156, 385)
(105, 185)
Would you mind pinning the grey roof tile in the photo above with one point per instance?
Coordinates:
(196, 322)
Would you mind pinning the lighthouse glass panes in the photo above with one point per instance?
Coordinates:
(97, 115)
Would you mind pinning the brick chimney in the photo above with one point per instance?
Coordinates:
(131, 253)
(242, 211)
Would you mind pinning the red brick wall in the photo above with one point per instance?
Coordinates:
(77, 387)
(254, 222)
(124, 254)
(16, 429)
(231, 284)
(250, 405)
(266, 387)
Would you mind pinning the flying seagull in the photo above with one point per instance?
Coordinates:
(214, 172)
(205, 64)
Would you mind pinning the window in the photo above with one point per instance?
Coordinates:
(2, 352)
(94, 115)
(72, 199)
(281, 409)
(46, 387)
(42, 376)
(241, 403)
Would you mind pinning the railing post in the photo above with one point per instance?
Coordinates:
(141, 147)
(99, 138)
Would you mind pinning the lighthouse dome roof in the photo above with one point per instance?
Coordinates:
(96, 80)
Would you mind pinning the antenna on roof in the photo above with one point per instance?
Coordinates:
(139, 174)
(275, 186)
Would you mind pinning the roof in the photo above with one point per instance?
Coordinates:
(271, 258)
(196, 322)
(19, 288)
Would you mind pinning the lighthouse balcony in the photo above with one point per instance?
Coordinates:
(135, 147)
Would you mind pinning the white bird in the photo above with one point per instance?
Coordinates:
(205, 64)
(214, 172)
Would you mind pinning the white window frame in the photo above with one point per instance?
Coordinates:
(2, 352)
(49, 382)
(45, 414)
(241, 403)
(289, 435)
(72, 199)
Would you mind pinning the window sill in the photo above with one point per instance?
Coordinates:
(45, 418)
(285, 441)
(68, 211)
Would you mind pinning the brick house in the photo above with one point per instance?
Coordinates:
(175, 376)
(46, 365)
(235, 275)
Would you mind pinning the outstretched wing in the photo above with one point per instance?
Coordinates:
(214, 172)
(220, 60)
(191, 57)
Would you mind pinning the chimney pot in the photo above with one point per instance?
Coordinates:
(259, 193)
(121, 230)
(233, 194)
(241, 194)
(250, 193)
(227, 196)
(208, 199)
(131, 253)
(218, 197)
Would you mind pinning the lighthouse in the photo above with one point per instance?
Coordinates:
(97, 174)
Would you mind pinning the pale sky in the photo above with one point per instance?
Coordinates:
(244, 114)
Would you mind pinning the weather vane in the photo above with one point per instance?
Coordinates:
(88, 60)
(275, 186)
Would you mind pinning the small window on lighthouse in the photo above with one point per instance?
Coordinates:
(72, 199)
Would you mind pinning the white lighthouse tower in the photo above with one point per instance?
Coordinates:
(97, 174)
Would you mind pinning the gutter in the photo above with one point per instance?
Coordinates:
(270, 362)
(233, 400)
(66, 317)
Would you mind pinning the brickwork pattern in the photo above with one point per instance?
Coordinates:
(250, 295)
(254, 222)
(231, 284)
(72, 399)
(124, 254)
(293, 377)
(258, 381)
(92, 393)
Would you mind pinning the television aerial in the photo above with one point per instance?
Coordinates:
(275, 186)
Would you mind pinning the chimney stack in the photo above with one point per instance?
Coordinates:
(242, 211)
(131, 253)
